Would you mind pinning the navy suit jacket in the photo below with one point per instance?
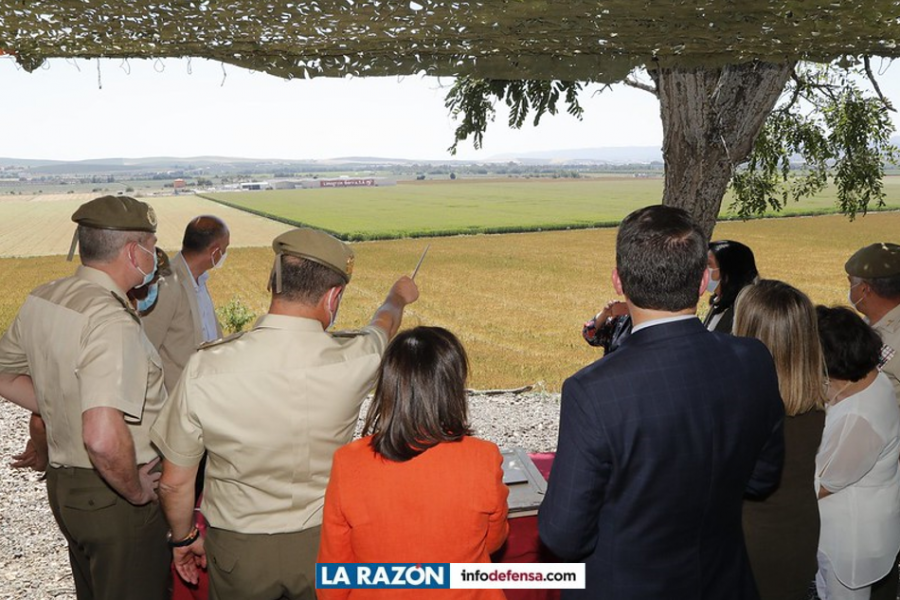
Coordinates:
(658, 443)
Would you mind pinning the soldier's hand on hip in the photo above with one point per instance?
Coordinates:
(149, 483)
(29, 458)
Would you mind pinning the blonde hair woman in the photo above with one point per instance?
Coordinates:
(782, 530)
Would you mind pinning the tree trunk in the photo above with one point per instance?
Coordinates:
(711, 118)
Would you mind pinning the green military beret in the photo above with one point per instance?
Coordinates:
(120, 213)
(317, 246)
(874, 261)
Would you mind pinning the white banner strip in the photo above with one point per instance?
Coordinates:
(517, 576)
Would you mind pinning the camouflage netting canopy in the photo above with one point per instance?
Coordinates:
(601, 40)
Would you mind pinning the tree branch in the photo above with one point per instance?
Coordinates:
(887, 103)
(796, 95)
(641, 86)
(809, 86)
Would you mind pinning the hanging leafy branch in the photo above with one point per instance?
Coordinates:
(827, 128)
(472, 101)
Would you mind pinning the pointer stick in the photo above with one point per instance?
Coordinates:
(413, 276)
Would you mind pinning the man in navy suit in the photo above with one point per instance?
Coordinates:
(659, 441)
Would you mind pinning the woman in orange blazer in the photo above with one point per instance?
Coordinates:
(416, 488)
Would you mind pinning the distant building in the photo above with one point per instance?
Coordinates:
(306, 184)
(254, 185)
(283, 184)
(179, 184)
(341, 182)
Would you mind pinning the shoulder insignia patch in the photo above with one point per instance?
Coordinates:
(127, 306)
(347, 333)
(220, 341)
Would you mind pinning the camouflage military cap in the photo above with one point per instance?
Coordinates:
(120, 213)
(875, 261)
(317, 246)
(163, 265)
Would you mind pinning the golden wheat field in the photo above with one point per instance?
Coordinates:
(42, 225)
(517, 301)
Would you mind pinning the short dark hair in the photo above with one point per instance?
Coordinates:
(304, 280)
(661, 254)
(850, 346)
(737, 269)
(886, 287)
(202, 232)
(420, 394)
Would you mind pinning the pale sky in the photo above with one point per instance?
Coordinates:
(197, 108)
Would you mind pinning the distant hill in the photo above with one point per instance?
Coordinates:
(614, 155)
(193, 163)
(227, 164)
(239, 164)
(622, 155)
(371, 160)
(27, 162)
(144, 164)
(611, 155)
(151, 161)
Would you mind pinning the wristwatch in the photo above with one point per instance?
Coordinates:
(187, 541)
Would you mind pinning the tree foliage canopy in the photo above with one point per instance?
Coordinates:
(576, 40)
(827, 128)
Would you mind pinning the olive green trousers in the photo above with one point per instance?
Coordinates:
(262, 566)
(117, 550)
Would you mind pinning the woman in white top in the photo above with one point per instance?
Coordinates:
(857, 476)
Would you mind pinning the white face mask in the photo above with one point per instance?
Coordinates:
(148, 277)
(850, 296)
(217, 264)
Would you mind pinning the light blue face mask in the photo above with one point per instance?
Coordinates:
(147, 303)
(713, 284)
(148, 277)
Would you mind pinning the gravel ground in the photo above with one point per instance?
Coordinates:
(34, 562)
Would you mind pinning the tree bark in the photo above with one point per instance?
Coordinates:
(711, 118)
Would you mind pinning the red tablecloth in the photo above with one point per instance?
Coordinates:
(522, 546)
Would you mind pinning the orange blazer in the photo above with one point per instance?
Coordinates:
(446, 505)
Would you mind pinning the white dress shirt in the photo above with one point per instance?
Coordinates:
(205, 304)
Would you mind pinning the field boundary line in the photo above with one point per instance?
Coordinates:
(266, 215)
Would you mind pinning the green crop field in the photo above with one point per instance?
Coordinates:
(517, 301)
(462, 206)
